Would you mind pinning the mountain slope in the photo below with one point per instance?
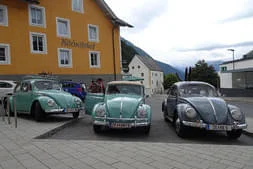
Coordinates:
(129, 50)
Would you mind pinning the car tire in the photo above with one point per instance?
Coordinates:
(146, 129)
(39, 113)
(179, 128)
(97, 128)
(75, 115)
(234, 134)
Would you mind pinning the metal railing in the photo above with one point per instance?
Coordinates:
(5, 109)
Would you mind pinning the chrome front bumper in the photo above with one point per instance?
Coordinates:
(215, 127)
(133, 122)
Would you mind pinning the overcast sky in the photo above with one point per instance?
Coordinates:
(180, 32)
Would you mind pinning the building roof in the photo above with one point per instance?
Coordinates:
(110, 14)
(149, 62)
(105, 8)
(248, 56)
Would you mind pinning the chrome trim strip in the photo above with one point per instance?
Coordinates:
(215, 113)
(121, 107)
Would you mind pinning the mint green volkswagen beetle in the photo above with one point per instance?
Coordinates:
(41, 96)
(121, 106)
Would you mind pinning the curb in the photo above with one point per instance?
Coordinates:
(245, 132)
(57, 129)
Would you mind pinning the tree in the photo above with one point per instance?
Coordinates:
(205, 73)
(169, 80)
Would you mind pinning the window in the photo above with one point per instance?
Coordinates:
(93, 33)
(224, 68)
(4, 54)
(139, 66)
(63, 27)
(142, 74)
(65, 57)
(77, 5)
(132, 67)
(3, 15)
(38, 43)
(94, 59)
(37, 16)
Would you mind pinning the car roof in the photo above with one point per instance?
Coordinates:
(192, 82)
(9, 81)
(125, 82)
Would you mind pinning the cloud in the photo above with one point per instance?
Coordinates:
(245, 11)
(145, 14)
(218, 46)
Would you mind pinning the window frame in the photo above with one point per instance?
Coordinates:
(44, 40)
(68, 27)
(98, 59)
(5, 11)
(82, 7)
(7, 52)
(70, 65)
(43, 11)
(97, 29)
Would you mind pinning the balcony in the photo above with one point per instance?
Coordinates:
(32, 1)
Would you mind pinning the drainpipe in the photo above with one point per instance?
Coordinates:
(113, 50)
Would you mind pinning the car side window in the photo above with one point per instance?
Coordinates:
(26, 86)
(5, 85)
(173, 91)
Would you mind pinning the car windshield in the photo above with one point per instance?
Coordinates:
(125, 89)
(197, 90)
(47, 85)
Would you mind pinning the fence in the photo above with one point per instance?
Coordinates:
(5, 109)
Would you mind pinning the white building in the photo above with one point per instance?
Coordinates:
(147, 68)
(236, 77)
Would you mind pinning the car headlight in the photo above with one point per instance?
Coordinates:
(100, 111)
(78, 101)
(142, 112)
(190, 112)
(236, 114)
(50, 102)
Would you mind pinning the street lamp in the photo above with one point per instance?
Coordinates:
(233, 57)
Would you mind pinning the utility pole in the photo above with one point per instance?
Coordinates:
(233, 51)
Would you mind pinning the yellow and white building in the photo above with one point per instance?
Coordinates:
(73, 39)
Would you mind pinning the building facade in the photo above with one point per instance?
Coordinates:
(73, 39)
(147, 68)
(236, 77)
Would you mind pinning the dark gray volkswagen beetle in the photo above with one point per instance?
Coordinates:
(193, 104)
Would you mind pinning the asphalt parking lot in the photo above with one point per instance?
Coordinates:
(161, 131)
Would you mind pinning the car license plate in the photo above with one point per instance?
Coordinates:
(71, 110)
(120, 125)
(218, 127)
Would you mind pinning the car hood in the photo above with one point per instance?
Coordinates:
(123, 105)
(61, 98)
(212, 110)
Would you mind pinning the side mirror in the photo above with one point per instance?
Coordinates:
(25, 88)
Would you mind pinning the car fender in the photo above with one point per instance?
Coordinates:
(42, 101)
(180, 110)
(164, 105)
(231, 107)
(149, 112)
(93, 114)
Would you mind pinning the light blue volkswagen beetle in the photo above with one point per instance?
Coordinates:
(121, 106)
